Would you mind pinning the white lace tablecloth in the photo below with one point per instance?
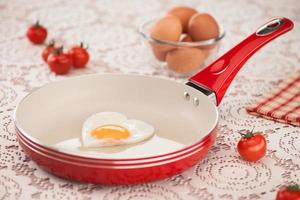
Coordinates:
(109, 27)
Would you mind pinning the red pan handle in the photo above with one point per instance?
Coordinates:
(218, 76)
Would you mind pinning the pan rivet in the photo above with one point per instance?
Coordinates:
(196, 101)
(186, 96)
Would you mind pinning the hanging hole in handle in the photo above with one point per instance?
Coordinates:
(270, 27)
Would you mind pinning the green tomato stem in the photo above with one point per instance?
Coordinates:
(248, 134)
(293, 188)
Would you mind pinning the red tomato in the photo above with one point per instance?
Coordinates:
(37, 33)
(252, 147)
(48, 50)
(79, 56)
(289, 193)
(59, 62)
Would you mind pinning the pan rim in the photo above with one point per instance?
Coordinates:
(115, 162)
(117, 167)
(32, 146)
(73, 154)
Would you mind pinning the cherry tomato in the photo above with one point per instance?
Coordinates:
(291, 192)
(252, 146)
(48, 50)
(37, 33)
(59, 62)
(79, 56)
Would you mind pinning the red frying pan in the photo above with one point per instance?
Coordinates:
(185, 116)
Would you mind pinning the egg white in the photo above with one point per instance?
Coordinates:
(139, 130)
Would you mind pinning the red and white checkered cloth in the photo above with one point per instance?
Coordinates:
(283, 104)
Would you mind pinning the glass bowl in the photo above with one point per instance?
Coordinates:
(183, 58)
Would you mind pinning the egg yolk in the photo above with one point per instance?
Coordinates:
(110, 131)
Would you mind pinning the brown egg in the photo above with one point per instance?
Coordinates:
(167, 28)
(184, 13)
(203, 26)
(185, 59)
(160, 51)
(186, 38)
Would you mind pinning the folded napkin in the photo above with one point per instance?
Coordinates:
(283, 104)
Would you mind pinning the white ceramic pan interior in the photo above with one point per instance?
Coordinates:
(54, 114)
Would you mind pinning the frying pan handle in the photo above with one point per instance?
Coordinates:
(218, 76)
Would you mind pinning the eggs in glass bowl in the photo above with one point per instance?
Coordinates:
(183, 41)
(113, 129)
